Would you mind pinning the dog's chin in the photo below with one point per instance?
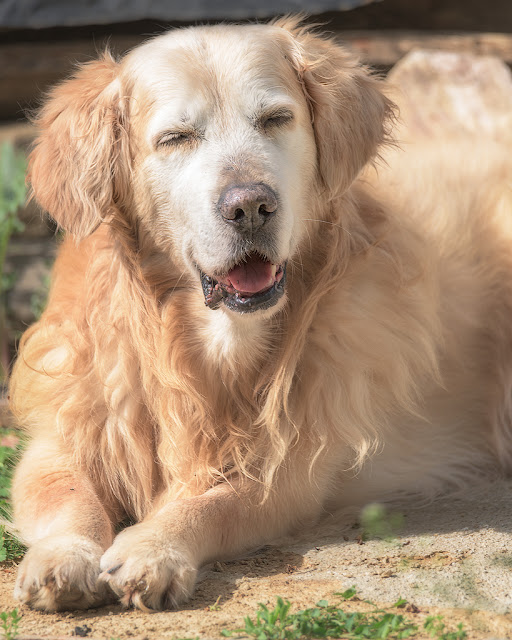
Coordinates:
(253, 285)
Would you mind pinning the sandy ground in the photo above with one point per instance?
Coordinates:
(453, 557)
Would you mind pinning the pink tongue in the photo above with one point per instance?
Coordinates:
(252, 276)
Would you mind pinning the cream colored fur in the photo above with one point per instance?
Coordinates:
(384, 371)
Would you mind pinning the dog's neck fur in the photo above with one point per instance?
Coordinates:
(181, 399)
(209, 394)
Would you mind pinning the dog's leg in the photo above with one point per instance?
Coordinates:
(60, 517)
(153, 565)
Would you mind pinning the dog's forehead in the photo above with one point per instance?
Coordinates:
(215, 64)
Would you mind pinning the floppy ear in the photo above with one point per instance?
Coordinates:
(75, 166)
(351, 116)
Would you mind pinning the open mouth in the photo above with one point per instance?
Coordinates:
(252, 285)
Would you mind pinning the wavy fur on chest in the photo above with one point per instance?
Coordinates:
(151, 401)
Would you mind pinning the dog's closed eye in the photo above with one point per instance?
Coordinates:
(274, 119)
(176, 138)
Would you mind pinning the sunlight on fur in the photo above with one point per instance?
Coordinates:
(354, 344)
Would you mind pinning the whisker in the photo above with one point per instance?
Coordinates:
(334, 224)
(177, 282)
(301, 262)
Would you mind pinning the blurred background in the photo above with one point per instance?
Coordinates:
(42, 40)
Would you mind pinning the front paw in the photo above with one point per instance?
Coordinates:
(147, 570)
(61, 573)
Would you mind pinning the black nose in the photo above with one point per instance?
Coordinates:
(248, 206)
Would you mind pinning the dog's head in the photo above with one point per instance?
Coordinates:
(218, 143)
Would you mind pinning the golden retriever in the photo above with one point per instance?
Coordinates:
(355, 344)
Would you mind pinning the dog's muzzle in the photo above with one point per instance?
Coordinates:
(255, 284)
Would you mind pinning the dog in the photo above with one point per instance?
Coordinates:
(263, 310)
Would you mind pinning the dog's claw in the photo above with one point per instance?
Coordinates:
(114, 568)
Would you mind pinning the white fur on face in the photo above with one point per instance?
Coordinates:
(192, 90)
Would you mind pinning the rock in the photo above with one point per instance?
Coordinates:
(30, 261)
(442, 93)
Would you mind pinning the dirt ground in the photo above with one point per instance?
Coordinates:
(452, 557)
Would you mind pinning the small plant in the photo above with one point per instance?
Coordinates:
(9, 621)
(348, 594)
(10, 547)
(378, 522)
(216, 606)
(435, 627)
(323, 621)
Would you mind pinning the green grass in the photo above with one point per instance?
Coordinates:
(10, 548)
(332, 621)
(436, 627)
(9, 621)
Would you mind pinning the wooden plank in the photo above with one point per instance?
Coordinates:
(27, 70)
(385, 48)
